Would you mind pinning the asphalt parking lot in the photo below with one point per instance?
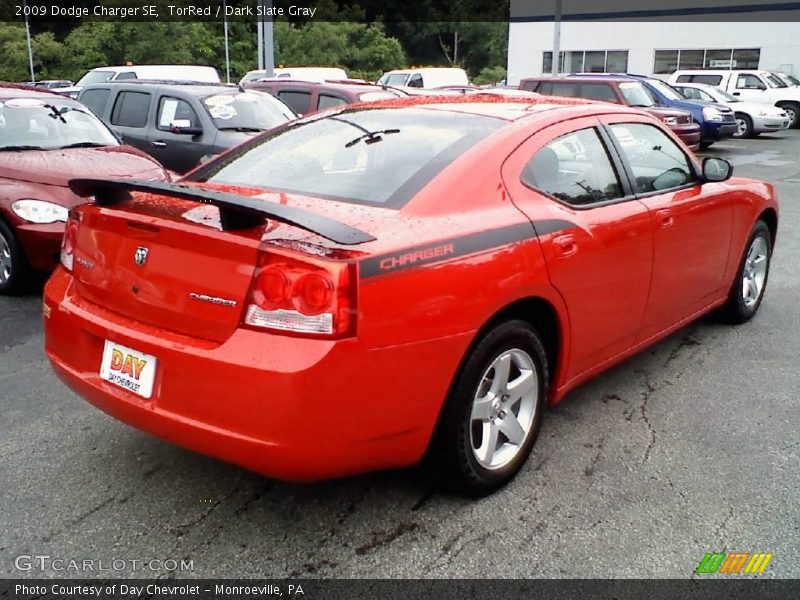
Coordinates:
(691, 447)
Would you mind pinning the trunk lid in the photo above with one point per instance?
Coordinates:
(165, 261)
(184, 278)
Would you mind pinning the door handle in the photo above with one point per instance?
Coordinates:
(565, 245)
(159, 144)
(737, 93)
(665, 218)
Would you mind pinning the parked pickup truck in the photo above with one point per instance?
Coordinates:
(751, 85)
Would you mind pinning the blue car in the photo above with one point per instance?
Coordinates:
(716, 122)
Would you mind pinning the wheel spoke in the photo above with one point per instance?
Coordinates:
(753, 288)
(488, 443)
(510, 426)
(501, 370)
(482, 408)
(521, 386)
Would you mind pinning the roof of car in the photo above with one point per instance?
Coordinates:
(16, 90)
(581, 77)
(352, 85)
(494, 105)
(191, 87)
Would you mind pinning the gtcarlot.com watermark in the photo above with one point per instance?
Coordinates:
(47, 563)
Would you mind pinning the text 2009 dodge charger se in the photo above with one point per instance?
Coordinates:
(363, 286)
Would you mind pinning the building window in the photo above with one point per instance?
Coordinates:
(587, 61)
(667, 62)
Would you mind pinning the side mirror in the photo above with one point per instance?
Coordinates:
(184, 126)
(716, 169)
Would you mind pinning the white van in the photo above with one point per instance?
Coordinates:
(318, 74)
(430, 77)
(752, 85)
(160, 72)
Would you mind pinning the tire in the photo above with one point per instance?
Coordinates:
(745, 126)
(482, 410)
(14, 270)
(747, 289)
(793, 110)
(705, 145)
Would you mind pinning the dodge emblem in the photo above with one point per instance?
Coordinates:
(141, 255)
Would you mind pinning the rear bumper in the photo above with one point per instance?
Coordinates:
(290, 408)
(41, 244)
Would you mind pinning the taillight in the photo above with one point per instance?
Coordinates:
(306, 296)
(69, 242)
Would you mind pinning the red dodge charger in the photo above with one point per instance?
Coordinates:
(363, 287)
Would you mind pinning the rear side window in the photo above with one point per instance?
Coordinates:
(599, 91)
(565, 89)
(95, 100)
(298, 101)
(656, 161)
(126, 75)
(173, 109)
(709, 79)
(326, 101)
(575, 168)
(130, 109)
(531, 86)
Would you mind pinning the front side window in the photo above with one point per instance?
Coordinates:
(96, 100)
(130, 109)
(174, 109)
(575, 169)
(656, 161)
(746, 81)
(370, 155)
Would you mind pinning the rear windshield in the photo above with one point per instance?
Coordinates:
(368, 156)
(95, 77)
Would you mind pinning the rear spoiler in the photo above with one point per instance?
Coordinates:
(235, 211)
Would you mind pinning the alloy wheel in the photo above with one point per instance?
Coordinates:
(754, 274)
(5, 260)
(741, 127)
(504, 409)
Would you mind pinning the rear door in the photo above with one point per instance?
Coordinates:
(596, 236)
(691, 220)
(130, 116)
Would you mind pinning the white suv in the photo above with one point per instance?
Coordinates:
(752, 85)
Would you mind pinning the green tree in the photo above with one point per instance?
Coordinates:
(14, 50)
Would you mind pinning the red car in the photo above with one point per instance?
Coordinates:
(357, 288)
(45, 140)
(619, 90)
(306, 97)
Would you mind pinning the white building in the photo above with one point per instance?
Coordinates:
(769, 39)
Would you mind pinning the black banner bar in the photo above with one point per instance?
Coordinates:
(734, 588)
